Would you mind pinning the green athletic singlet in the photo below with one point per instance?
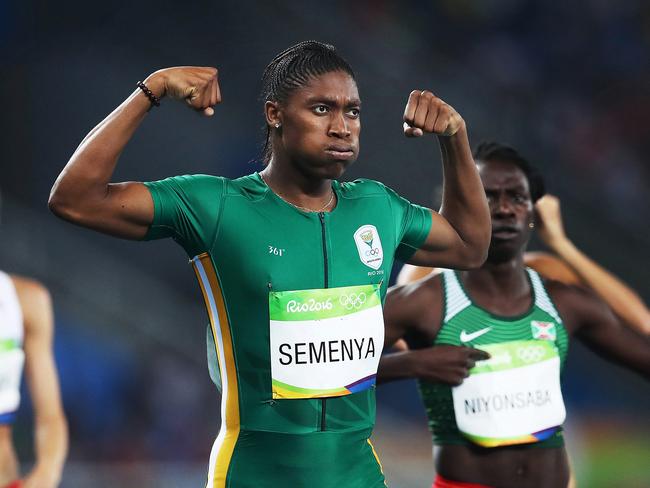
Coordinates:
(467, 324)
(268, 270)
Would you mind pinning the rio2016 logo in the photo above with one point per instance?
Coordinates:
(310, 305)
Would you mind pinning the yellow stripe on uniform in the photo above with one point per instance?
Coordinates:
(224, 444)
(376, 457)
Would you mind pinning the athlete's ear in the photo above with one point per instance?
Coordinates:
(273, 113)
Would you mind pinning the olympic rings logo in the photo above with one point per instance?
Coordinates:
(373, 252)
(352, 301)
(531, 354)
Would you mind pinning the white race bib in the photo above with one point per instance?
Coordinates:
(512, 398)
(11, 367)
(325, 342)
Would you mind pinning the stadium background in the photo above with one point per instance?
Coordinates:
(566, 82)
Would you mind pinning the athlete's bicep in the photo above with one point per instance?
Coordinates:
(443, 247)
(126, 211)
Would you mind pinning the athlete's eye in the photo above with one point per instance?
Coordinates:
(354, 113)
(519, 198)
(321, 109)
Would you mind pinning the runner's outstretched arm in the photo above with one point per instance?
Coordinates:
(50, 426)
(460, 234)
(622, 300)
(83, 192)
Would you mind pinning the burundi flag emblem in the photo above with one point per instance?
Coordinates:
(543, 330)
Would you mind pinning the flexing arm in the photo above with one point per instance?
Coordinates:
(51, 431)
(460, 234)
(622, 300)
(83, 193)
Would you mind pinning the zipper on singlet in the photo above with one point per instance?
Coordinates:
(323, 408)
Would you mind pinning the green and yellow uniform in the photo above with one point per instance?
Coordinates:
(276, 281)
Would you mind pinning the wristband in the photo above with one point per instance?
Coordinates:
(152, 98)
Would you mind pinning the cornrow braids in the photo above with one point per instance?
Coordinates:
(494, 151)
(294, 68)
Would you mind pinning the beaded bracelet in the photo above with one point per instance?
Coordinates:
(152, 98)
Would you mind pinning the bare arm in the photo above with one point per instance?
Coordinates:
(51, 430)
(460, 233)
(415, 310)
(83, 193)
(589, 319)
(620, 297)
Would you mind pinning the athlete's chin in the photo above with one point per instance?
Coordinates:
(334, 169)
(501, 252)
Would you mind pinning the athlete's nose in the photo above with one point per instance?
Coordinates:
(504, 205)
(339, 126)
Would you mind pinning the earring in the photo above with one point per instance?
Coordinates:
(531, 225)
(277, 125)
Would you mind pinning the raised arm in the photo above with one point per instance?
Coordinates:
(50, 426)
(83, 192)
(620, 297)
(460, 234)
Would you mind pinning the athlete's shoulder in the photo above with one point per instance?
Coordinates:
(363, 187)
(25, 285)
(210, 186)
(574, 301)
(551, 266)
(31, 293)
(251, 186)
(188, 183)
(418, 305)
(419, 294)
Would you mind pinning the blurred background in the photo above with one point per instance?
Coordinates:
(568, 83)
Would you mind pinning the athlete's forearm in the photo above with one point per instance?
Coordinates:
(463, 203)
(395, 366)
(87, 175)
(620, 297)
(51, 446)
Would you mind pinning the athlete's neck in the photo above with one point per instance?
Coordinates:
(296, 187)
(500, 287)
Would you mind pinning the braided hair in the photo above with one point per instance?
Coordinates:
(494, 151)
(294, 68)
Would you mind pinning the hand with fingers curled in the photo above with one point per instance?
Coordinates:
(426, 113)
(197, 85)
(549, 221)
(446, 363)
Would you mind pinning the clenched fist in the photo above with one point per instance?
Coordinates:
(425, 112)
(198, 86)
(549, 221)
